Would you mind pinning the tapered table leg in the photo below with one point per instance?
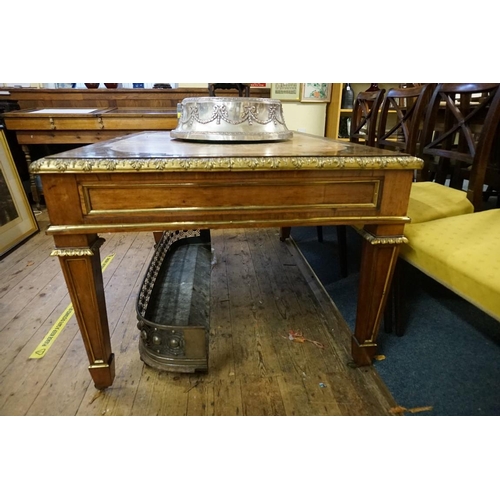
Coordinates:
(80, 261)
(378, 260)
(34, 188)
(285, 233)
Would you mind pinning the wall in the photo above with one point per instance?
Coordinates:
(305, 117)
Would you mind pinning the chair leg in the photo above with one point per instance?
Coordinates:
(487, 193)
(389, 310)
(398, 286)
(394, 307)
(342, 246)
(319, 230)
(285, 233)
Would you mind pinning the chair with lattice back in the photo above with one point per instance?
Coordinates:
(364, 117)
(452, 127)
(453, 124)
(401, 117)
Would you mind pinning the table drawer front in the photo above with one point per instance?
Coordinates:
(110, 199)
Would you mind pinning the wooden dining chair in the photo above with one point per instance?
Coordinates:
(363, 130)
(364, 117)
(399, 126)
(453, 123)
(440, 224)
(492, 176)
(402, 116)
(432, 116)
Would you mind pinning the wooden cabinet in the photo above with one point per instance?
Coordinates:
(29, 98)
(334, 111)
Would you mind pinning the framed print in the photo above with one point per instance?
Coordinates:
(316, 92)
(285, 91)
(17, 221)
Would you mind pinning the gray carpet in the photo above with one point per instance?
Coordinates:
(449, 357)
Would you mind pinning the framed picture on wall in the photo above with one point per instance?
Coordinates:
(17, 221)
(285, 91)
(316, 92)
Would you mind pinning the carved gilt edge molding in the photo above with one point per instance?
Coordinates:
(382, 240)
(47, 165)
(77, 252)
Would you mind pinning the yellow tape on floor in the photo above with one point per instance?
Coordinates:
(59, 325)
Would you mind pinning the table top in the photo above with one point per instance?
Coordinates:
(154, 151)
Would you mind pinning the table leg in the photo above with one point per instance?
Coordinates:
(80, 261)
(285, 233)
(34, 190)
(378, 260)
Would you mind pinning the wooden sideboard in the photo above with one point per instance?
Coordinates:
(29, 98)
(85, 125)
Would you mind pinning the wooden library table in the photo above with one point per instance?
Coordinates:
(50, 126)
(152, 182)
(85, 125)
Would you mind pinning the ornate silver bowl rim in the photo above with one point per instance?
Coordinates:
(238, 119)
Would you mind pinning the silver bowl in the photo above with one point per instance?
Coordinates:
(231, 119)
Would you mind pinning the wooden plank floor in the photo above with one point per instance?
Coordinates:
(261, 289)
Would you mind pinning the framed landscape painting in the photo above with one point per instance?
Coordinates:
(17, 221)
(316, 92)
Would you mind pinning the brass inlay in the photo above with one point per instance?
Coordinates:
(367, 343)
(371, 341)
(71, 165)
(160, 226)
(99, 363)
(241, 208)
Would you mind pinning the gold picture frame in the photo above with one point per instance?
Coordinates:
(17, 221)
(286, 91)
(316, 92)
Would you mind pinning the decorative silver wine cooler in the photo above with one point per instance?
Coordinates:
(173, 308)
